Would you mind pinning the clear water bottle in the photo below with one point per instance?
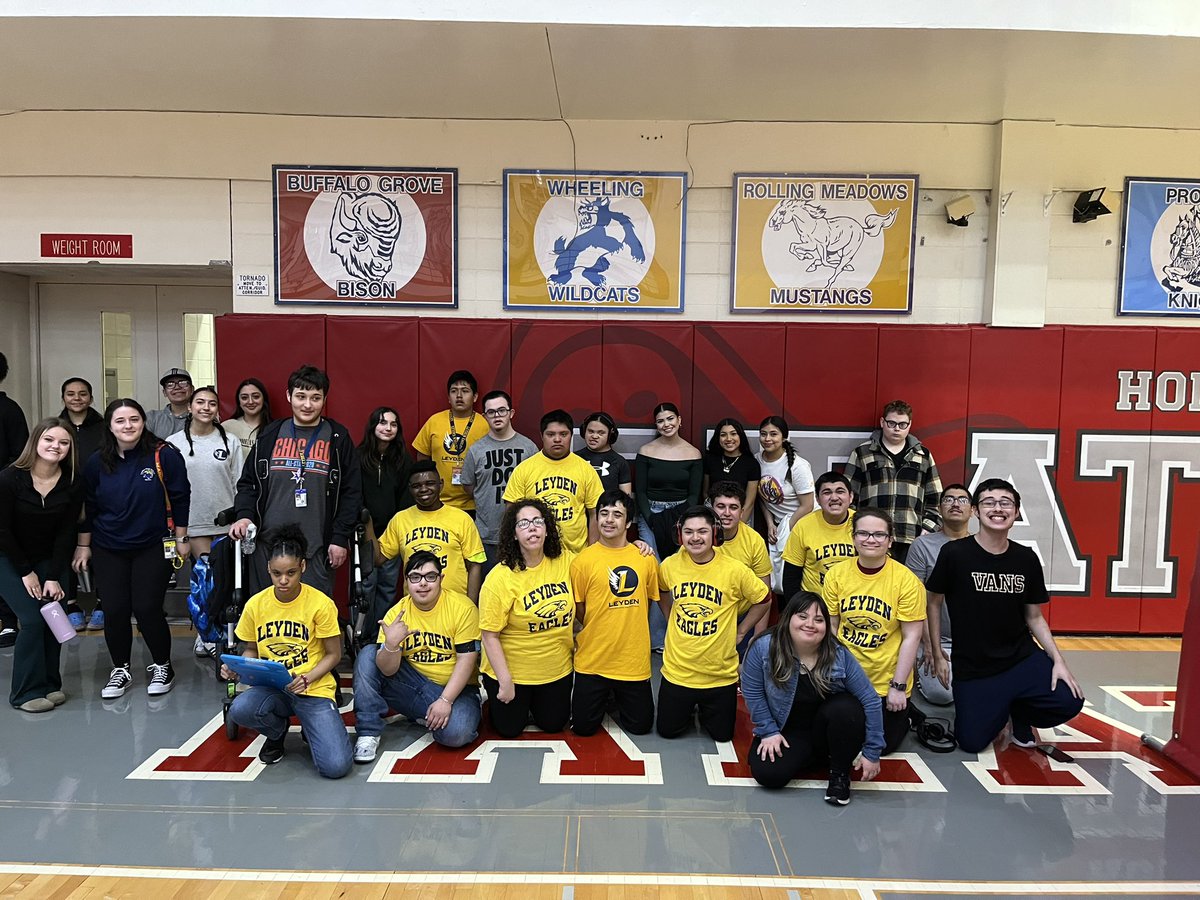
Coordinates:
(248, 540)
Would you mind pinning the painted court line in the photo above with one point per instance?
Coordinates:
(866, 887)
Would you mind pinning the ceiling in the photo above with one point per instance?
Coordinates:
(425, 69)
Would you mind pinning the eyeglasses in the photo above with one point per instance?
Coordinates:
(957, 501)
(526, 524)
(176, 382)
(427, 577)
(896, 426)
(496, 413)
(872, 535)
(993, 504)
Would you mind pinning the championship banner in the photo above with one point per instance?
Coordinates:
(1160, 248)
(594, 240)
(366, 237)
(823, 243)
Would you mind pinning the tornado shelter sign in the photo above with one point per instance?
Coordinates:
(366, 236)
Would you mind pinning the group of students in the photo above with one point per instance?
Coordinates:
(512, 566)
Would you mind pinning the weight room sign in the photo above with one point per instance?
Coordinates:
(609, 241)
(348, 236)
(1160, 248)
(823, 243)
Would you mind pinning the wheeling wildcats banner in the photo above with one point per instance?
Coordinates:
(365, 237)
(823, 243)
(594, 240)
(1160, 248)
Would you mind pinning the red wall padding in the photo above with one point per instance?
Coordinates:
(1059, 381)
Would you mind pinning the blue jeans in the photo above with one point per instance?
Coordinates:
(267, 711)
(658, 622)
(409, 693)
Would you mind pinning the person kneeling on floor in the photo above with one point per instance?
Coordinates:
(296, 625)
(810, 702)
(425, 664)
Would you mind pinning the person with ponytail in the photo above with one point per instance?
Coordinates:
(296, 625)
(785, 490)
(810, 702)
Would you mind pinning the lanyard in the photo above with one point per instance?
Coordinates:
(298, 477)
(166, 497)
(457, 443)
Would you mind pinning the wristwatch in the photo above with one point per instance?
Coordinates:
(898, 685)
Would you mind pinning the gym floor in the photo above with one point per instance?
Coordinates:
(150, 798)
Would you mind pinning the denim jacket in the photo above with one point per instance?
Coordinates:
(770, 704)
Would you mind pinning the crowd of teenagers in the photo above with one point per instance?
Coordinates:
(542, 580)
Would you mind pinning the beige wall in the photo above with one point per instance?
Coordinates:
(15, 340)
(193, 188)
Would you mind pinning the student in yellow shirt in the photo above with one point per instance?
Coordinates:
(445, 437)
(614, 585)
(425, 664)
(821, 539)
(877, 608)
(446, 532)
(743, 543)
(296, 625)
(702, 592)
(526, 613)
(566, 483)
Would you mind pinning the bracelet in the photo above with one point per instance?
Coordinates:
(898, 685)
(304, 678)
(83, 546)
(387, 649)
(445, 700)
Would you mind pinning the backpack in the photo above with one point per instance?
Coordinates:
(212, 590)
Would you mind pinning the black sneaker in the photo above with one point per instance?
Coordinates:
(1022, 734)
(271, 752)
(162, 679)
(8, 637)
(838, 792)
(119, 681)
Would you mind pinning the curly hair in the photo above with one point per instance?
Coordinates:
(510, 549)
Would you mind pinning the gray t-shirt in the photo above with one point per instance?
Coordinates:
(213, 467)
(488, 465)
(163, 423)
(922, 556)
(283, 481)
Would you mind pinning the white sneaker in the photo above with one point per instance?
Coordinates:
(203, 650)
(119, 681)
(162, 679)
(365, 748)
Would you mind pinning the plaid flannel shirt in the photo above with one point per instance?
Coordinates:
(910, 491)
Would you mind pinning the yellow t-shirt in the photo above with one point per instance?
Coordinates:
(748, 548)
(432, 441)
(616, 588)
(435, 638)
(532, 611)
(818, 546)
(569, 486)
(706, 603)
(446, 532)
(292, 633)
(871, 608)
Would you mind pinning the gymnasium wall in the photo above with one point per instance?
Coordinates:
(1108, 463)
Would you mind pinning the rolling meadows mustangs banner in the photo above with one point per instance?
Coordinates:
(594, 240)
(1160, 248)
(382, 236)
(823, 243)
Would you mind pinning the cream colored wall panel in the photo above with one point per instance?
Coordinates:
(173, 222)
(16, 339)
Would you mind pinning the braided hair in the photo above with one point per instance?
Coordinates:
(781, 423)
(187, 422)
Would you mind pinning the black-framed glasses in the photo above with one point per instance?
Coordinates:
(496, 413)
(526, 524)
(872, 535)
(418, 577)
(896, 426)
(990, 503)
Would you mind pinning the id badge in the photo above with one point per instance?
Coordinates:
(168, 548)
(456, 477)
(301, 498)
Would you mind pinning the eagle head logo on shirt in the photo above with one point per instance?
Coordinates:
(696, 610)
(551, 609)
(865, 623)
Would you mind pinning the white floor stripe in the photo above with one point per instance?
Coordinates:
(790, 883)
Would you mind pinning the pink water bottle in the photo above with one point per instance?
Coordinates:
(57, 621)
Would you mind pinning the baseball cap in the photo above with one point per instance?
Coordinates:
(174, 373)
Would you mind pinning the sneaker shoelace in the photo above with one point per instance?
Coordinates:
(118, 677)
(158, 673)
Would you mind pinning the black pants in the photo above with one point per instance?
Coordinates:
(550, 704)
(133, 583)
(635, 704)
(895, 725)
(834, 738)
(717, 706)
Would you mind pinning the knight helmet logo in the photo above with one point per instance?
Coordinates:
(363, 233)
